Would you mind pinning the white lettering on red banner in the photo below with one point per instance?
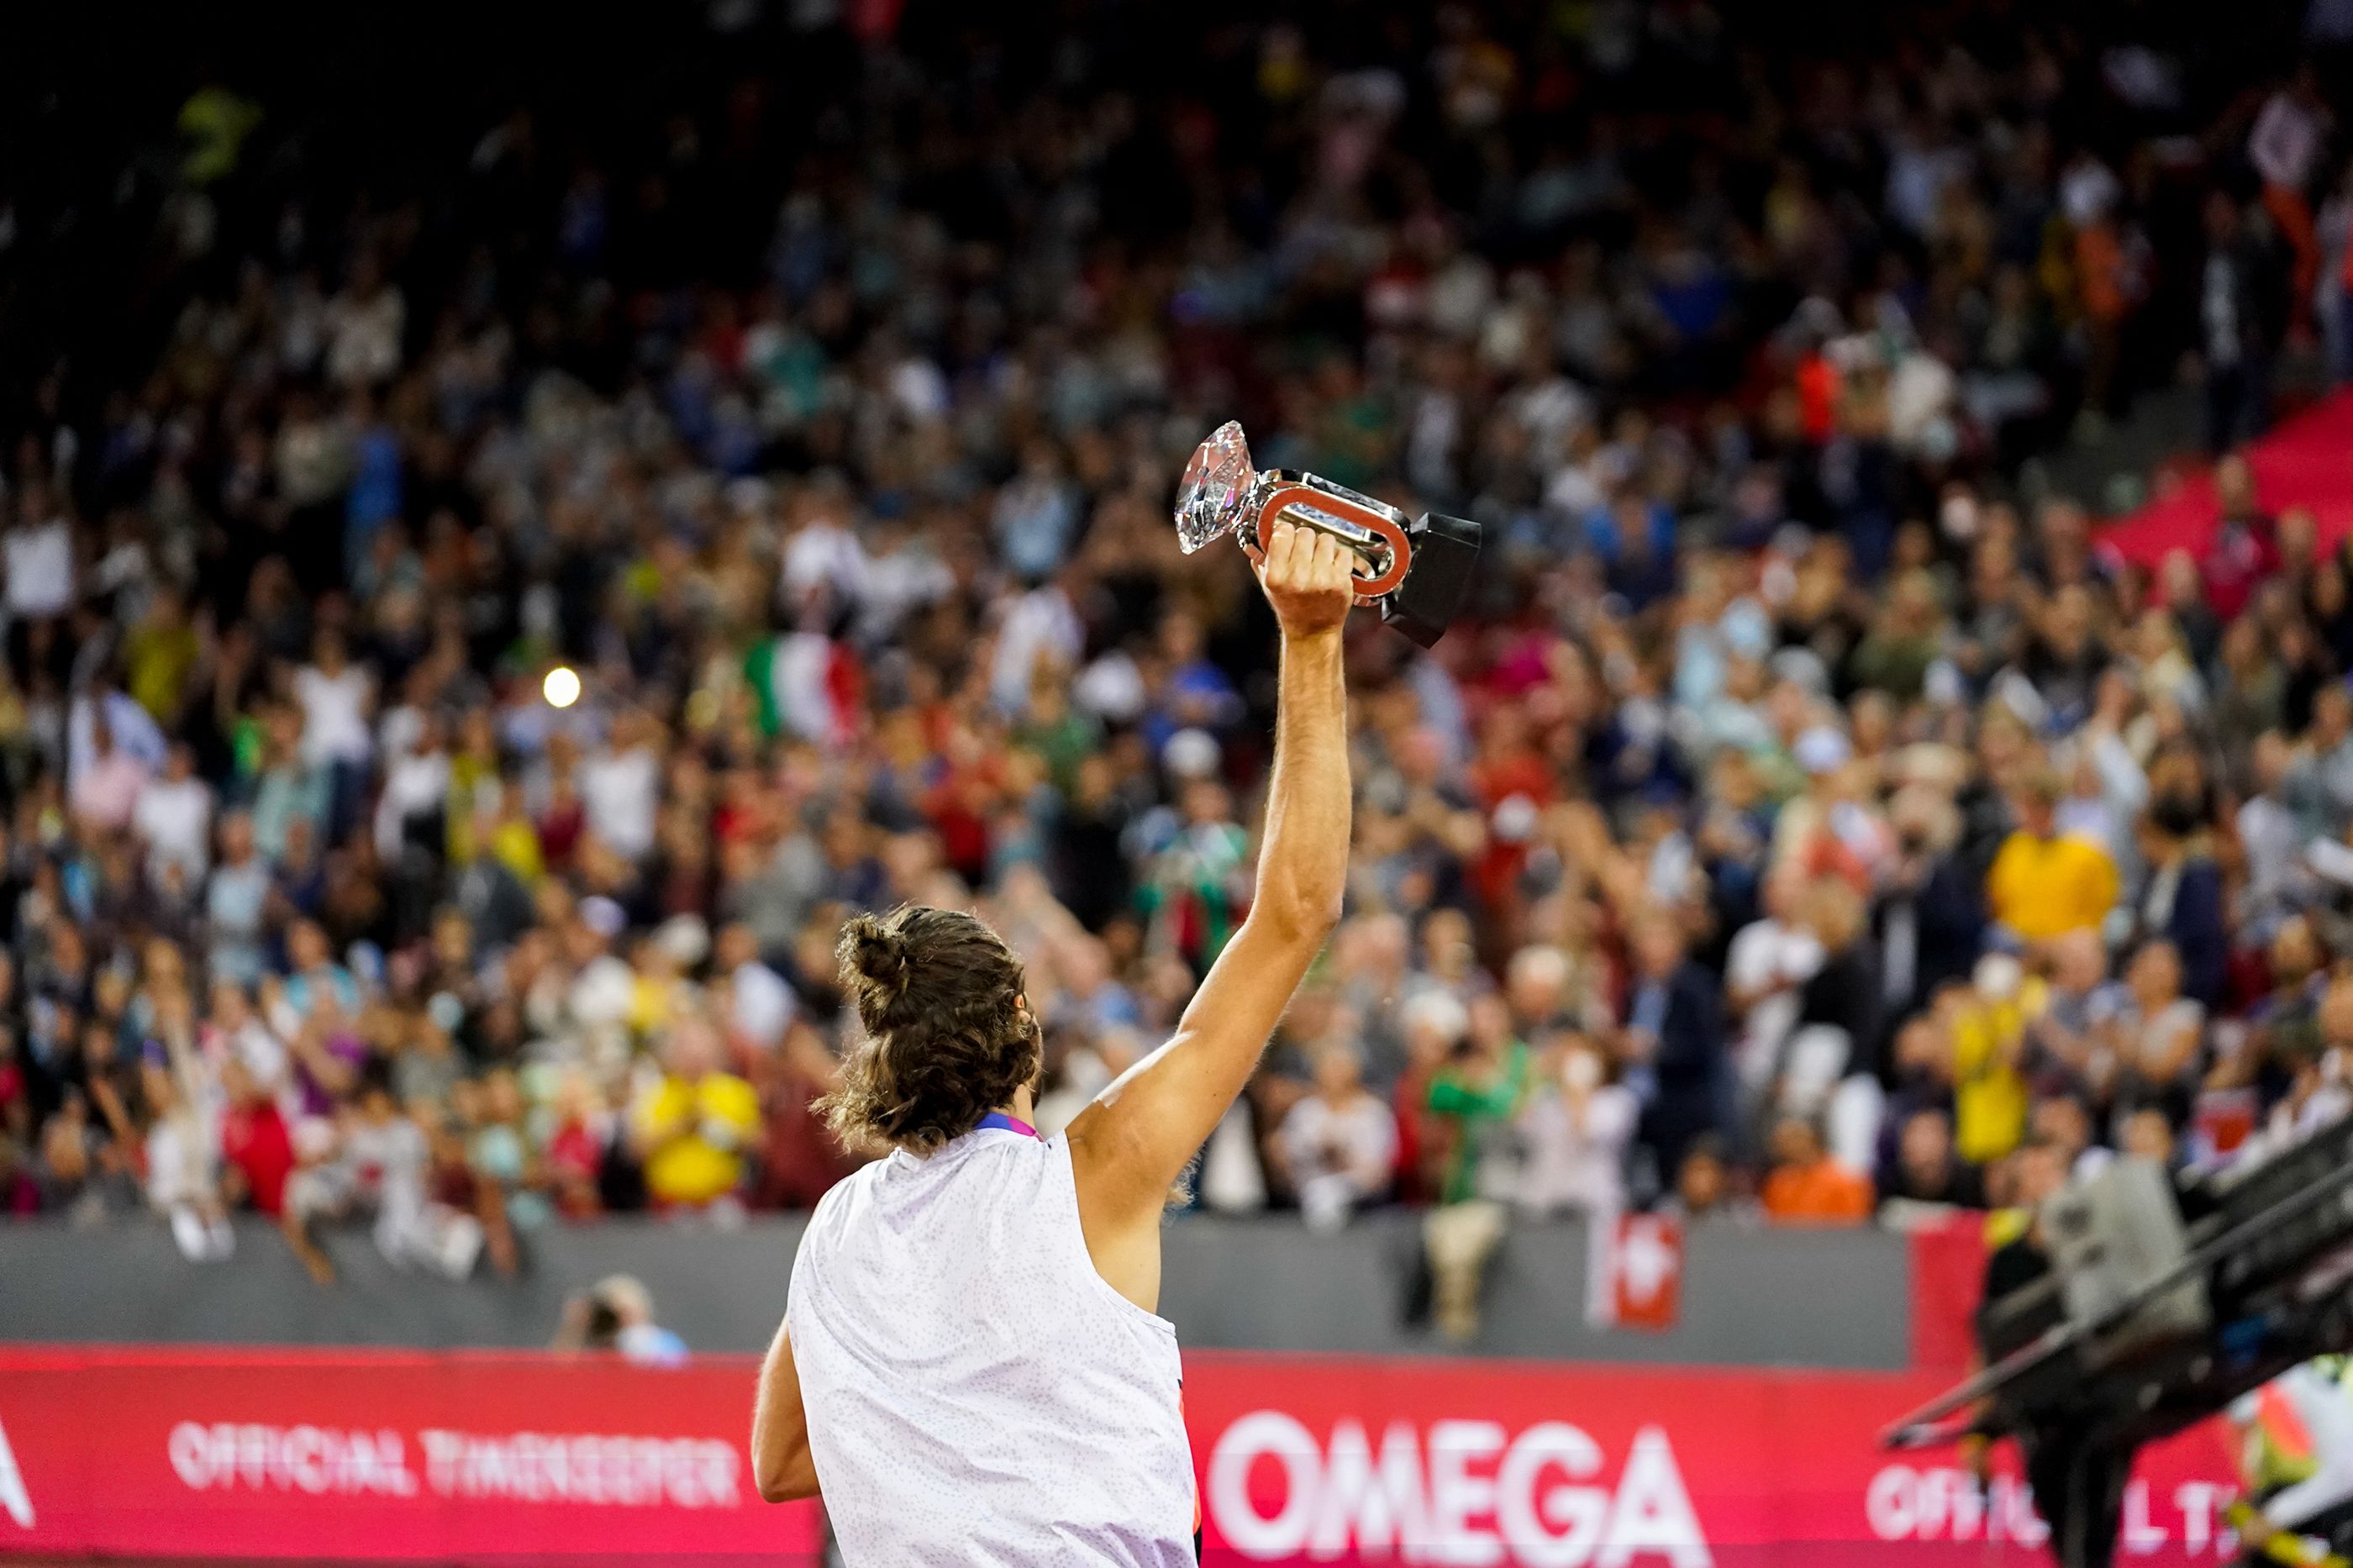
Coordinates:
(1945, 1503)
(630, 1472)
(600, 1469)
(15, 1500)
(1934, 1504)
(1475, 1493)
(319, 1460)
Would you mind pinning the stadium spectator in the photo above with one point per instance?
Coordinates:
(1672, 1043)
(617, 1315)
(2153, 1040)
(1928, 1177)
(1805, 1185)
(693, 1125)
(1575, 1129)
(2244, 298)
(1704, 1188)
(2045, 882)
(182, 1157)
(255, 1141)
(1473, 1100)
(1337, 1144)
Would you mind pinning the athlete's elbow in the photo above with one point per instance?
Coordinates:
(782, 1466)
(1303, 918)
(784, 1478)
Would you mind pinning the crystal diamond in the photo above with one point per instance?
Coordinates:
(1210, 498)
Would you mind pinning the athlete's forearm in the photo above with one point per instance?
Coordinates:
(1303, 865)
(782, 1466)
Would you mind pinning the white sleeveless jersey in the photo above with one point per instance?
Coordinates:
(976, 1392)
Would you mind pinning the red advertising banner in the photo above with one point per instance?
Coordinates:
(1948, 1266)
(443, 1457)
(467, 1457)
(1316, 1462)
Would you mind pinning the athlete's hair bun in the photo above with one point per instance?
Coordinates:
(877, 956)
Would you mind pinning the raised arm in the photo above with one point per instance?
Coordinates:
(1130, 1145)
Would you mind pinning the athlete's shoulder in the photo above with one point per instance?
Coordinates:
(841, 1199)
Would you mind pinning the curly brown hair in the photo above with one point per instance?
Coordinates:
(949, 1035)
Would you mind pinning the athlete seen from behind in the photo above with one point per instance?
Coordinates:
(970, 1367)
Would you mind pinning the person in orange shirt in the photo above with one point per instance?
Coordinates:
(1806, 1186)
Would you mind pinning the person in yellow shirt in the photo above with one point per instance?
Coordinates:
(1985, 1022)
(2044, 883)
(214, 124)
(159, 654)
(694, 1127)
(514, 837)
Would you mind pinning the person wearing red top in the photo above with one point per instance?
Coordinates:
(741, 813)
(2245, 548)
(575, 1155)
(1513, 783)
(255, 1140)
(799, 1160)
(960, 801)
(1818, 387)
(1435, 1023)
(16, 1110)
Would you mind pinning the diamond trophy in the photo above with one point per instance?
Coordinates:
(1417, 571)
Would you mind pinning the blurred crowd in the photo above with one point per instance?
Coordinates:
(458, 685)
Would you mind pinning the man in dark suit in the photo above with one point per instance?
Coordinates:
(2241, 306)
(1930, 923)
(2180, 897)
(1673, 1041)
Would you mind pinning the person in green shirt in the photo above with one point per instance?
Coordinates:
(1193, 893)
(1062, 735)
(1906, 636)
(1476, 1096)
(1472, 1102)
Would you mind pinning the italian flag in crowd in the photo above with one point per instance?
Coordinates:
(807, 686)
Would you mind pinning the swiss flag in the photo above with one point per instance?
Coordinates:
(1634, 1275)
